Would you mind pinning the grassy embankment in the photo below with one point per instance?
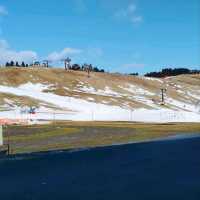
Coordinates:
(69, 135)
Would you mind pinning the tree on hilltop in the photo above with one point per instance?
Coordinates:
(7, 64)
(12, 63)
(75, 67)
(17, 64)
(23, 64)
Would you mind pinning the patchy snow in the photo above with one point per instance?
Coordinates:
(37, 87)
(140, 95)
(105, 102)
(181, 105)
(195, 96)
(153, 79)
(111, 114)
(87, 89)
(91, 90)
(84, 110)
(181, 91)
(90, 99)
(71, 103)
(110, 92)
(66, 88)
(137, 90)
(179, 86)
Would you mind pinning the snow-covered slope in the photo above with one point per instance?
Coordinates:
(69, 95)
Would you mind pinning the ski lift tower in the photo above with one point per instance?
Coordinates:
(88, 69)
(67, 62)
(46, 63)
(163, 90)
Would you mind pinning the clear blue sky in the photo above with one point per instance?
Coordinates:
(118, 35)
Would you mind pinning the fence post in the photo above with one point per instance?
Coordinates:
(54, 118)
(131, 115)
(1, 135)
(92, 115)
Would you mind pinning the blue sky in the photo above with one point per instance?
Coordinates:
(118, 35)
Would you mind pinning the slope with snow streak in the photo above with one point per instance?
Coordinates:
(84, 110)
(70, 95)
(35, 91)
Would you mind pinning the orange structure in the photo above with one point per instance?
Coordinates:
(6, 121)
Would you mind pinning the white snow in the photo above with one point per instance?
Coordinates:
(38, 87)
(196, 96)
(91, 90)
(90, 99)
(153, 79)
(111, 114)
(137, 90)
(181, 105)
(84, 110)
(140, 95)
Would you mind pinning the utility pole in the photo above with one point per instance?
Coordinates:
(1, 135)
(54, 118)
(8, 139)
(163, 91)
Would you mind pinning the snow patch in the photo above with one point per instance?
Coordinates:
(80, 109)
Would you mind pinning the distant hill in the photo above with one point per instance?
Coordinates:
(171, 72)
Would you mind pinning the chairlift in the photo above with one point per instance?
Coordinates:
(32, 110)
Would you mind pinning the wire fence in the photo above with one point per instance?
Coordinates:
(102, 115)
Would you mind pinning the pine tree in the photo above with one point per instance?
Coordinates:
(7, 64)
(23, 64)
(17, 64)
(12, 63)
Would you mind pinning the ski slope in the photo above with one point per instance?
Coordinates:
(72, 108)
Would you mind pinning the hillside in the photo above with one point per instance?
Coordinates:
(71, 95)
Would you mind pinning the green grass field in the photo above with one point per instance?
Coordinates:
(69, 135)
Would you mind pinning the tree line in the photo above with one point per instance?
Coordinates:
(16, 64)
(75, 67)
(166, 72)
(134, 74)
(171, 72)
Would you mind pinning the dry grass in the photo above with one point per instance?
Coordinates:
(18, 100)
(69, 135)
(71, 79)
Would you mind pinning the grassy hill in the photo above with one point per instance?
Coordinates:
(25, 86)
